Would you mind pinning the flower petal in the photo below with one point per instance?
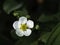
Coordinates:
(15, 25)
(23, 20)
(30, 24)
(19, 33)
(19, 24)
(27, 32)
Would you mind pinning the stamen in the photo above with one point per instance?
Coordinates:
(23, 27)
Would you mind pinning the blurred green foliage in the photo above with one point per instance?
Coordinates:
(48, 32)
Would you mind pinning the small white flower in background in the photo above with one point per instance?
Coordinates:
(23, 26)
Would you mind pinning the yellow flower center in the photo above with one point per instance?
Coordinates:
(23, 27)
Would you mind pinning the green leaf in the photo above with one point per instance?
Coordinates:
(44, 18)
(47, 18)
(57, 40)
(10, 5)
(53, 34)
(45, 37)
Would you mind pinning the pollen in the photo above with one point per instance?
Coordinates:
(23, 27)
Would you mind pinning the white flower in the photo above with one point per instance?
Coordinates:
(23, 26)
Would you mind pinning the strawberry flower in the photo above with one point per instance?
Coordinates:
(23, 26)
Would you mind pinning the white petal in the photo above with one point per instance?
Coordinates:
(30, 23)
(23, 20)
(15, 25)
(19, 33)
(19, 24)
(27, 32)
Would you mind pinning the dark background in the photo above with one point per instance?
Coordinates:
(34, 9)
